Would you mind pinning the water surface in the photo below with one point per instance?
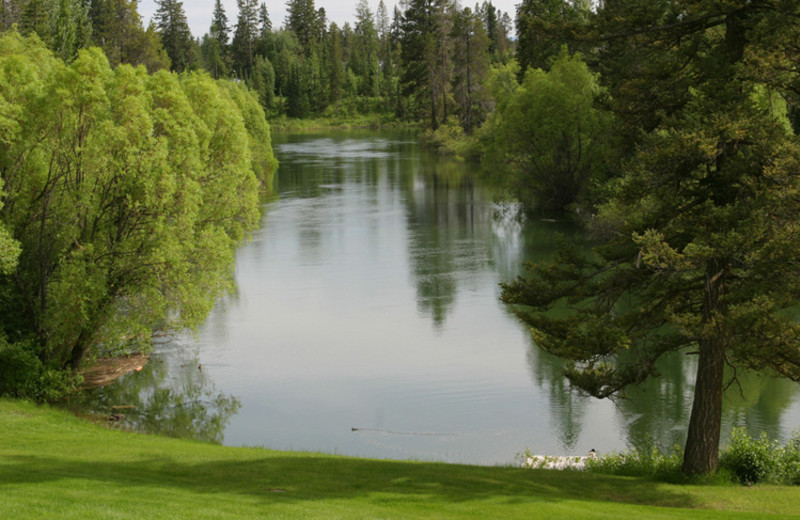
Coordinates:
(367, 323)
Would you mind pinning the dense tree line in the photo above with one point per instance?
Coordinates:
(425, 62)
(124, 195)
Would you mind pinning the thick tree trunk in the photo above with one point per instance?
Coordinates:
(702, 442)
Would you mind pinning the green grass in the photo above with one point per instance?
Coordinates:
(54, 465)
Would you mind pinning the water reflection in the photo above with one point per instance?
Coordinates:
(171, 396)
(369, 300)
(566, 406)
(444, 238)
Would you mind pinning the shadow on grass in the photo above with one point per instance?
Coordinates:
(298, 478)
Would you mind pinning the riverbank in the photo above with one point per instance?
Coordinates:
(54, 465)
(344, 122)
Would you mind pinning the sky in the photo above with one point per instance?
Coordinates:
(198, 12)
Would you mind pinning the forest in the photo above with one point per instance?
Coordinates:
(667, 128)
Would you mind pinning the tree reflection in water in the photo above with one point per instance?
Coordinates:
(656, 412)
(447, 236)
(171, 396)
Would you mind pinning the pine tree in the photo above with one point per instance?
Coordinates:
(491, 25)
(244, 38)
(214, 47)
(263, 44)
(417, 27)
(335, 63)
(364, 61)
(175, 34)
(539, 32)
(219, 25)
(264, 23)
(35, 19)
(697, 244)
(470, 64)
(302, 20)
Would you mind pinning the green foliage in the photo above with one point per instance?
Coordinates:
(750, 460)
(746, 460)
(262, 81)
(127, 194)
(9, 248)
(176, 37)
(22, 374)
(550, 134)
(543, 27)
(450, 139)
(117, 29)
(642, 461)
(760, 460)
(697, 237)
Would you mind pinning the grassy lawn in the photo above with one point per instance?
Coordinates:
(53, 465)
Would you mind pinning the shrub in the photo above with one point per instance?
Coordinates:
(646, 461)
(23, 375)
(19, 369)
(749, 459)
(790, 462)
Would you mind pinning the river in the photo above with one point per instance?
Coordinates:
(367, 323)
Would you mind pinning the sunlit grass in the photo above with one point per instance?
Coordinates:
(53, 465)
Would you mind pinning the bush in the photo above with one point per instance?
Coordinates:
(23, 375)
(747, 460)
(19, 369)
(790, 462)
(645, 461)
(450, 139)
(751, 460)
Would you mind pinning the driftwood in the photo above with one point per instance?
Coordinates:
(106, 370)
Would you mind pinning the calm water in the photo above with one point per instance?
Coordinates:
(367, 323)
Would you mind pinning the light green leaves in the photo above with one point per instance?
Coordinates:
(126, 196)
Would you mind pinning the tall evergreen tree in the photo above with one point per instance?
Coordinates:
(538, 37)
(364, 61)
(471, 47)
(699, 239)
(35, 19)
(244, 38)
(264, 31)
(214, 47)
(175, 34)
(491, 24)
(220, 30)
(302, 20)
(264, 23)
(335, 63)
(417, 27)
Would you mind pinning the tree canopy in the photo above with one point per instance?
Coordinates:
(696, 243)
(550, 136)
(124, 196)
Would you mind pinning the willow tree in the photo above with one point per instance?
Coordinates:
(550, 137)
(697, 246)
(127, 194)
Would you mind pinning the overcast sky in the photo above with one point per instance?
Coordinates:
(198, 12)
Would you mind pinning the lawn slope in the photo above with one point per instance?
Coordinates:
(53, 465)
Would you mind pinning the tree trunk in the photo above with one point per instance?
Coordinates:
(702, 441)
